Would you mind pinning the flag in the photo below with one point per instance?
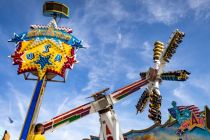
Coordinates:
(194, 109)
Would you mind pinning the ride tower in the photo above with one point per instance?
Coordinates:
(44, 53)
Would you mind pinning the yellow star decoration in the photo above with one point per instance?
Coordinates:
(44, 56)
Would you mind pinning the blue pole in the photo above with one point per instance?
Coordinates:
(33, 109)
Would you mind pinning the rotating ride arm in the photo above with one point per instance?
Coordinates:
(68, 117)
(127, 90)
(174, 41)
(153, 77)
(101, 103)
(156, 74)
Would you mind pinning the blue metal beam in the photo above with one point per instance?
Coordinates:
(33, 109)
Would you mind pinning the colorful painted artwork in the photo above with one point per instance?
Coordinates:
(45, 50)
(182, 118)
(188, 117)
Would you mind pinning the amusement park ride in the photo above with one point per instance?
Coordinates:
(103, 104)
(48, 50)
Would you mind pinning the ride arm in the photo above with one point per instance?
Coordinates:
(175, 40)
(92, 107)
(69, 117)
(127, 90)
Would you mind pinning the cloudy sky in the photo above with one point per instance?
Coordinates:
(119, 36)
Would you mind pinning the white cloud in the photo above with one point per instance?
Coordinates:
(126, 102)
(202, 82)
(60, 108)
(80, 99)
(196, 4)
(132, 75)
(170, 12)
(96, 79)
(111, 9)
(117, 11)
(163, 11)
(104, 64)
(128, 122)
(132, 72)
(13, 105)
(119, 36)
(85, 44)
(183, 95)
(21, 100)
(4, 39)
(146, 52)
(201, 8)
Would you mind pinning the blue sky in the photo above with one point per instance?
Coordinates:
(119, 36)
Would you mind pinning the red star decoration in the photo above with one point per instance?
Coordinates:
(17, 60)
